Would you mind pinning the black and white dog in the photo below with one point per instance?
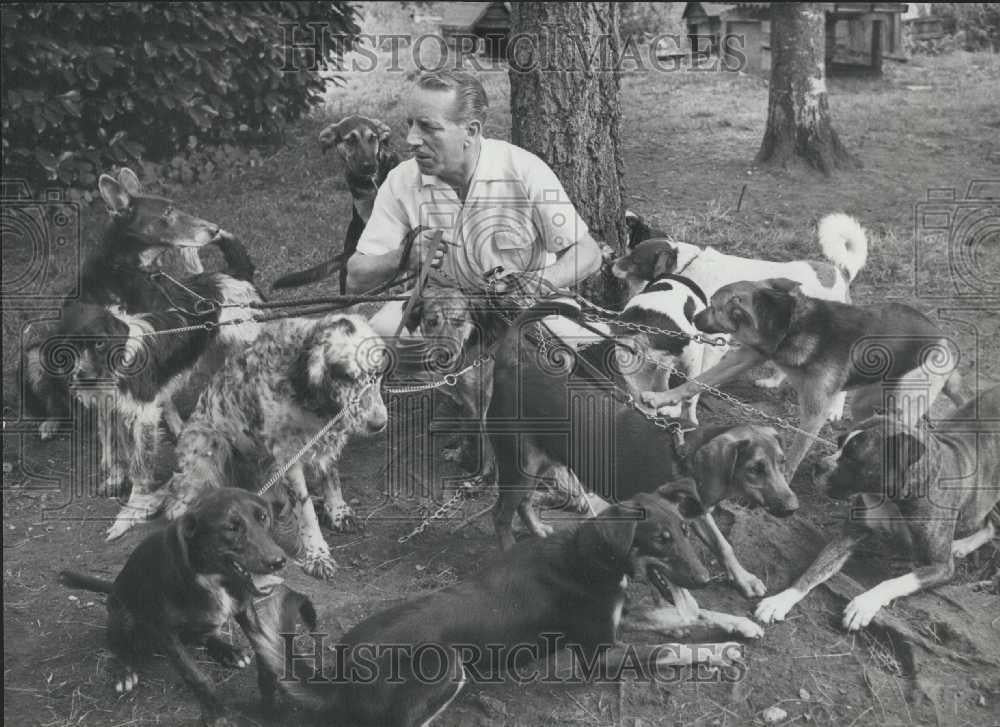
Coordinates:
(114, 339)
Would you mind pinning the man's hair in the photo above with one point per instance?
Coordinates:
(470, 96)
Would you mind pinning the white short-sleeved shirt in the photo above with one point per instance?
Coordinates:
(516, 215)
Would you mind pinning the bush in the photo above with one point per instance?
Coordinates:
(91, 85)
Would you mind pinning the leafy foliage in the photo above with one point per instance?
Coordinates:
(86, 85)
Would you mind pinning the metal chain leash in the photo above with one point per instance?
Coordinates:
(352, 406)
(729, 398)
(446, 510)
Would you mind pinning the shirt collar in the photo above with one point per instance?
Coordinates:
(486, 169)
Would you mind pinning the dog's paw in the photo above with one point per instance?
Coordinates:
(48, 429)
(228, 655)
(319, 565)
(114, 484)
(775, 608)
(126, 680)
(742, 626)
(137, 510)
(340, 518)
(771, 382)
(750, 585)
(541, 530)
(861, 610)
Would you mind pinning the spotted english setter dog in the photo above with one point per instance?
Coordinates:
(267, 403)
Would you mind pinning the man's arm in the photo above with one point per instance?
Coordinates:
(380, 245)
(364, 272)
(575, 264)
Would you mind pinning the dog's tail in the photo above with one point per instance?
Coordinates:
(844, 243)
(238, 262)
(82, 580)
(270, 639)
(312, 275)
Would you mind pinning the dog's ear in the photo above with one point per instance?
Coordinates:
(382, 129)
(316, 381)
(608, 536)
(187, 528)
(665, 262)
(128, 180)
(114, 194)
(714, 464)
(773, 308)
(785, 285)
(332, 134)
(416, 313)
(684, 494)
(904, 450)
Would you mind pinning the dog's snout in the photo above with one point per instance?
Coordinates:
(276, 563)
(701, 577)
(378, 419)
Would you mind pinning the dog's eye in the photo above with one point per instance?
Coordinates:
(167, 213)
(758, 468)
(100, 345)
(262, 516)
(664, 537)
(235, 525)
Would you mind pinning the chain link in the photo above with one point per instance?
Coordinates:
(352, 406)
(444, 511)
(729, 398)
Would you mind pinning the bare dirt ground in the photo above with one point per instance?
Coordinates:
(689, 142)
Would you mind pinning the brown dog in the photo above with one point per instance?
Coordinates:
(449, 321)
(826, 348)
(363, 145)
(923, 486)
(184, 582)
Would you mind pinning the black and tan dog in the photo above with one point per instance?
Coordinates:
(183, 583)
(883, 353)
(728, 462)
(925, 487)
(363, 145)
(570, 586)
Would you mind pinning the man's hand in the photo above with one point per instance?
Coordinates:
(424, 253)
(659, 399)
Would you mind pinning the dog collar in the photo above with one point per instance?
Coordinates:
(687, 282)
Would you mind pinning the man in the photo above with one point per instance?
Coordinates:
(497, 205)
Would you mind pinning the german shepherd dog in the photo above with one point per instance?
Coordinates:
(112, 333)
(571, 585)
(825, 348)
(363, 145)
(183, 583)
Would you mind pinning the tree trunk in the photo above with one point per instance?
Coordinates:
(798, 116)
(565, 107)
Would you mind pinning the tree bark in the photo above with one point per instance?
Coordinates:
(565, 107)
(798, 115)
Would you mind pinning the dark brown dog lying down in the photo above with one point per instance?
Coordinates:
(183, 583)
(571, 585)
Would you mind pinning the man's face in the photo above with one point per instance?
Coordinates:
(437, 142)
